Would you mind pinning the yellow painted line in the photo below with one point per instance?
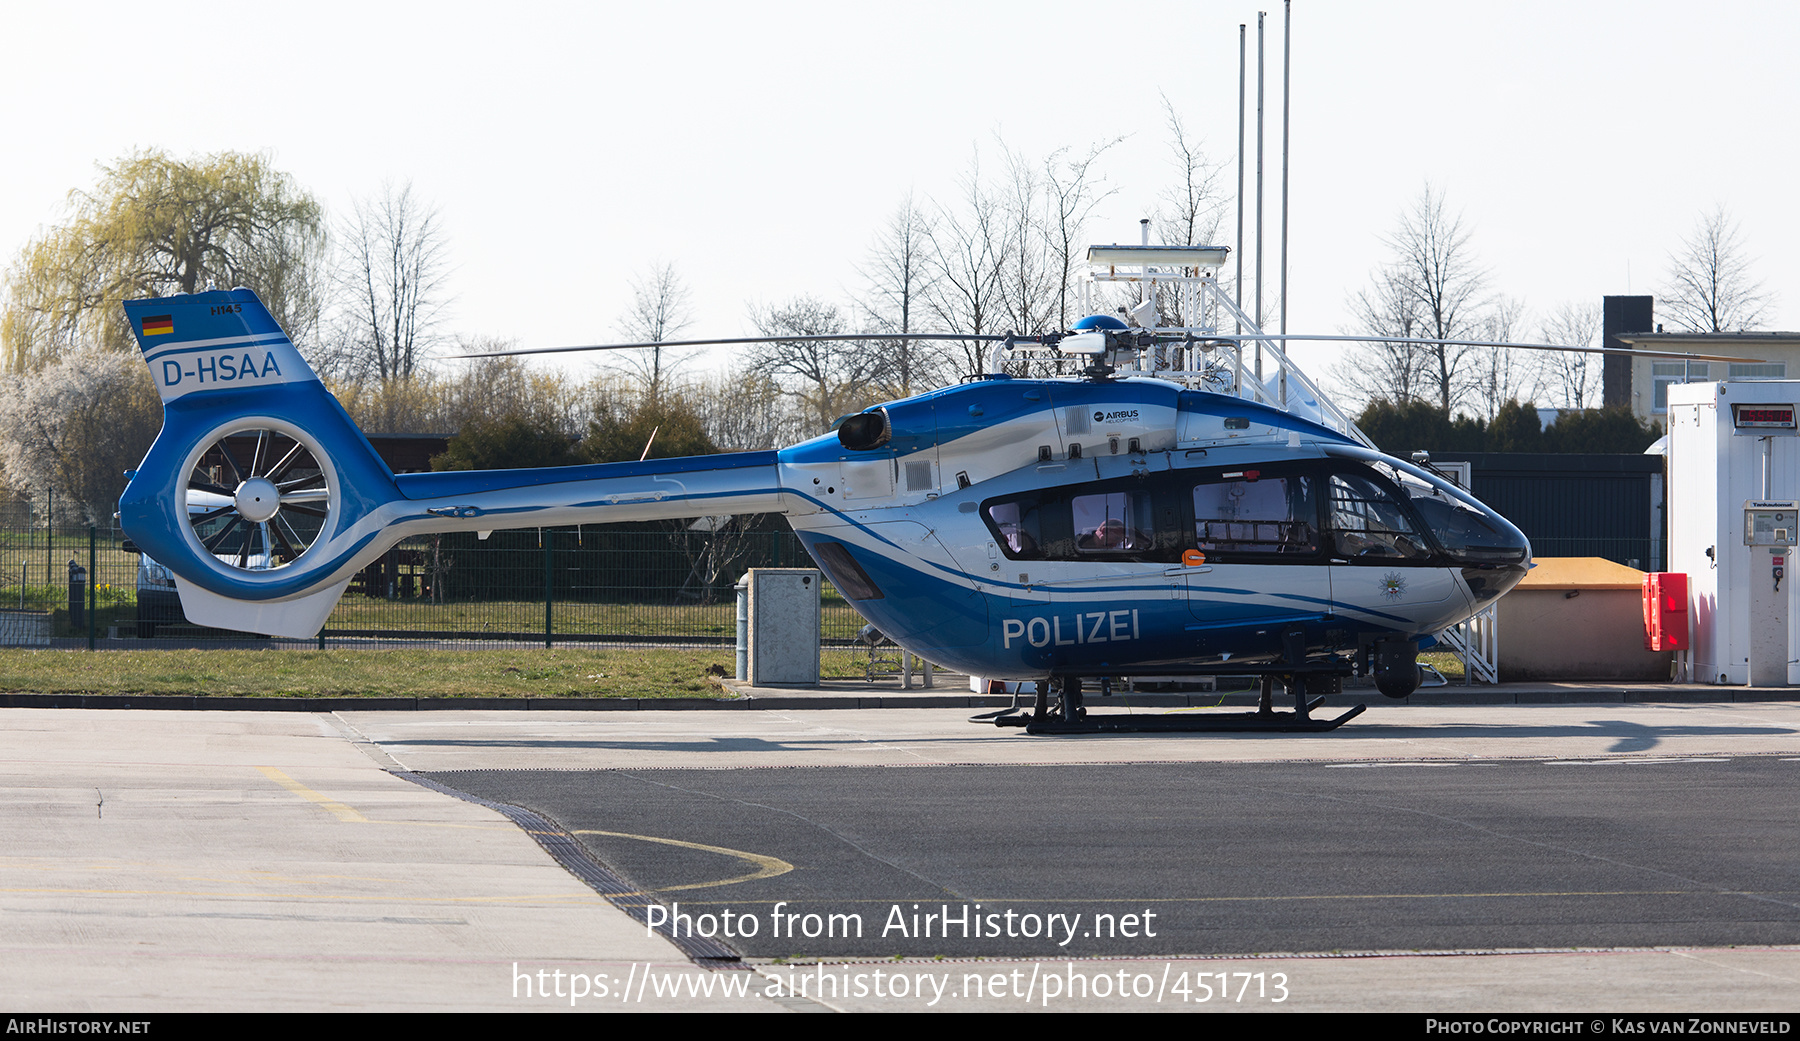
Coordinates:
(337, 809)
(255, 878)
(497, 826)
(352, 815)
(766, 866)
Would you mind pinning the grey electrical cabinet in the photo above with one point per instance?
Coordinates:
(784, 627)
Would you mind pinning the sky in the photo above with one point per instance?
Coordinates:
(760, 148)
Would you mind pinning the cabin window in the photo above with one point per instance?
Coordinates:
(1113, 522)
(1248, 513)
(1016, 522)
(1086, 523)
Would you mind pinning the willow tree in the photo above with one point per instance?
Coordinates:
(155, 226)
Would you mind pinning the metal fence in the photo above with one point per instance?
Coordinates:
(1642, 554)
(594, 584)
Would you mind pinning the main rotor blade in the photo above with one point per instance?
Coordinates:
(821, 338)
(1253, 337)
(1164, 338)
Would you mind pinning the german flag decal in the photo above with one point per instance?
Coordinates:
(161, 325)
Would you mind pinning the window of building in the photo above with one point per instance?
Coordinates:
(1767, 371)
(1667, 372)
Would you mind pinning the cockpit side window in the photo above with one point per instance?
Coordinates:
(1367, 522)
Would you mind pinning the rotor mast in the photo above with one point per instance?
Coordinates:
(1196, 351)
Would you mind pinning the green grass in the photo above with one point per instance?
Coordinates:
(838, 621)
(117, 605)
(509, 673)
(1447, 663)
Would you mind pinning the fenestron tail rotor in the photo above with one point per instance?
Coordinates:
(259, 496)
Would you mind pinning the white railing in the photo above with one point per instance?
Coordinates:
(1477, 643)
(1228, 354)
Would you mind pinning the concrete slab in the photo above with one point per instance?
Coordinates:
(916, 737)
(160, 861)
(260, 862)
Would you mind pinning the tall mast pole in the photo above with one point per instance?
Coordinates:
(1287, 93)
(1260, 50)
(1238, 283)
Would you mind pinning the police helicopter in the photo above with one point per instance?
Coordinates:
(1188, 502)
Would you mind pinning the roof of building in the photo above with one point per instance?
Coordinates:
(1710, 341)
(1580, 573)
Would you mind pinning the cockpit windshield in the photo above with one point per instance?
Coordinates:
(1468, 531)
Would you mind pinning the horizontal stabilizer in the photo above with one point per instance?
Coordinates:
(300, 618)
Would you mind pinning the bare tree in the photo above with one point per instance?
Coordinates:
(661, 307)
(414, 406)
(1191, 209)
(487, 388)
(830, 377)
(445, 398)
(1004, 255)
(969, 252)
(1431, 289)
(1498, 375)
(1572, 376)
(392, 277)
(898, 275)
(1379, 370)
(745, 411)
(1071, 191)
(1710, 289)
(1028, 294)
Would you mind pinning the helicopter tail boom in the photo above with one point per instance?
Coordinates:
(264, 499)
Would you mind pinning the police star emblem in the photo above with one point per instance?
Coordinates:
(1393, 585)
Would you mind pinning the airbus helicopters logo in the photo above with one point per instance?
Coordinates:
(1122, 415)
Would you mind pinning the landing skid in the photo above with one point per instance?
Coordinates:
(1066, 714)
(1184, 723)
